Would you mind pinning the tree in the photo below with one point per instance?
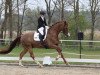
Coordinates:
(1, 9)
(94, 11)
(62, 9)
(50, 11)
(31, 17)
(76, 16)
(7, 19)
(4, 24)
(10, 16)
(61, 5)
(23, 17)
(18, 22)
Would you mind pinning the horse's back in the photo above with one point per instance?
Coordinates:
(27, 37)
(27, 40)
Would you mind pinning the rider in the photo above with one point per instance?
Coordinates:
(41, 26)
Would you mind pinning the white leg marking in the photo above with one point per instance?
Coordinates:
(38, 63)
(59, 56)
(20, 63)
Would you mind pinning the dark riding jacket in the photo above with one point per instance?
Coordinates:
(41, 22)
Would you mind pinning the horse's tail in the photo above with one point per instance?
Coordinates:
(11, 47)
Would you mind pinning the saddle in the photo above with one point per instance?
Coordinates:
(36, 34)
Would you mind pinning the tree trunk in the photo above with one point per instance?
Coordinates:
(18, 24)
(10, 18)
(1, 33)
(76, 17)
(94, 5)
(62, 10)
(49, 11)
(20, 32)
(4, 24)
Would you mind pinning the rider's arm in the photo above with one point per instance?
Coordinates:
(45, 22)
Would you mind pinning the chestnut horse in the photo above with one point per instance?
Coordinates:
(51, 41)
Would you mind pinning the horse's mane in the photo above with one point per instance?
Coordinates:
(56, 23)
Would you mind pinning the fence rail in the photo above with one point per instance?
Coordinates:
(78, 41)
(86, 60)
(60, 40)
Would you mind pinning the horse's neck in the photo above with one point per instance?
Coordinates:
(55, 30)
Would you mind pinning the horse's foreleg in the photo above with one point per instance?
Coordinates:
(20, 63)
(38, 63)
(64, 59)
(60, 54)
(21, 55)
(32, 55)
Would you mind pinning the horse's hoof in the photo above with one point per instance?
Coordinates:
(41, 66)
(68, 64)
(21, 65)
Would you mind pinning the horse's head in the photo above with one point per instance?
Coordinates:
(65, 28)
(58, 27)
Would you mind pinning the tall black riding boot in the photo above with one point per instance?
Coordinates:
(42, 42)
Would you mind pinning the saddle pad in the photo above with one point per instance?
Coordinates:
(36, 35)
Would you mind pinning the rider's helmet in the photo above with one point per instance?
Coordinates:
(42, 13)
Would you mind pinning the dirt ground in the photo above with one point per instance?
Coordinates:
(47, 70)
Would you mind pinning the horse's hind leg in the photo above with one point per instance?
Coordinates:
(21, 55)
(32, 55)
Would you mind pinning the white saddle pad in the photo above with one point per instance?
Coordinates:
(36, 34)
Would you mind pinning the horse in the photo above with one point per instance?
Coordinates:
(28, 43)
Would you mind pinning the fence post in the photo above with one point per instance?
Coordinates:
(80, 37)
(80, 49)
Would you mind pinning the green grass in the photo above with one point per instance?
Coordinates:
(66, 51)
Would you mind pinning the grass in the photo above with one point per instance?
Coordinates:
(68, 53)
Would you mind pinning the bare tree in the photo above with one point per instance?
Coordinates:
(75, 5)
(94, 10)
(20, 30)
(62, 9)
(76, 16)
(18, 22)
(4, 24)
(7, 18)
(50, 11)
(1, 30)
(10, 17)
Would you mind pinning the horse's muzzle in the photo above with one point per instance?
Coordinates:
(68, 34)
